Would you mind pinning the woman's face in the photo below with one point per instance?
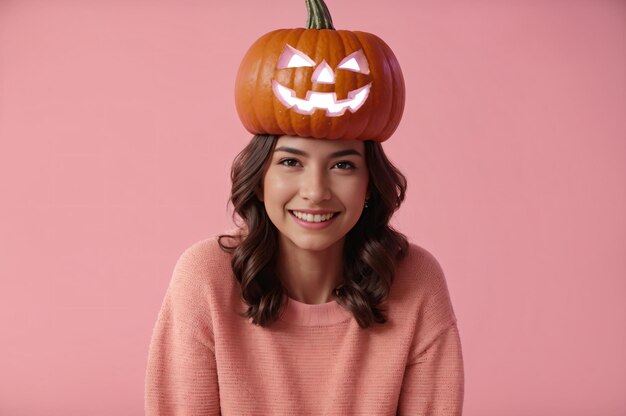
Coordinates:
(311, 177)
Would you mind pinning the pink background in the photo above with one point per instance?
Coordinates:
(118, 128)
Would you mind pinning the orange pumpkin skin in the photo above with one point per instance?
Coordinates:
(261, 112)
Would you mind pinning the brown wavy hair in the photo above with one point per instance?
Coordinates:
(371, 251)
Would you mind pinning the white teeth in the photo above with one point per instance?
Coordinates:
(311, 217)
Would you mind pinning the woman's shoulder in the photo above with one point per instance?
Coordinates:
(205, 260)
(419, 257)
(420, 291)
(210, 248)
(421, 298)
(420, 271)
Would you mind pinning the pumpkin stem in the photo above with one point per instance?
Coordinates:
(318, 15)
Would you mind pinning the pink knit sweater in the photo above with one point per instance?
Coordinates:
(204, 359)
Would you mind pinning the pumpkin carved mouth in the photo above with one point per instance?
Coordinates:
(321, 100)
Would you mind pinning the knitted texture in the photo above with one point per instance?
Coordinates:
(204, 359)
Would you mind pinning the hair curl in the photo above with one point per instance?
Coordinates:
(371, 250)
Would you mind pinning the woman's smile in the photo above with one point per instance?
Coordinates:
(314, 222)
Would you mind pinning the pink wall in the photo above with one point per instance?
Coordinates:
(118, 126)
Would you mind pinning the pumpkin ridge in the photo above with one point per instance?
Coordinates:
(316, 54)
(257, 77)
(332, 47)
(248, 102)
(374, 95)
(378, 123)
(388, 70)
(397, 105)
(292, 74)
(358, 122)
(339, 126)
(268, 46)
(301, 123)
(318, 120)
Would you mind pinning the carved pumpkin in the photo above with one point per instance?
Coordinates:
(320, 82)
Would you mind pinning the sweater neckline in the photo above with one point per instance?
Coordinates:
(321, 314)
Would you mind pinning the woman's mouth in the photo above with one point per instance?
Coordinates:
(314, 221)
(313, 217)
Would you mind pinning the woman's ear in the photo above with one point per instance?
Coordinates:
(259, 193)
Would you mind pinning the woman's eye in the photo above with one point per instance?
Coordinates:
(343, 165)
(282, 162)
(349, 165)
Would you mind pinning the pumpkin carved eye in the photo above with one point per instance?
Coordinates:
(293, 58)
(355, 62)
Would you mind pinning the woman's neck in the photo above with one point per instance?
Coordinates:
(310, 276)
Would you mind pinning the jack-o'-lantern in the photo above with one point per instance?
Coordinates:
(320, 82)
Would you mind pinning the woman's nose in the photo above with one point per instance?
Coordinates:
(314, 186)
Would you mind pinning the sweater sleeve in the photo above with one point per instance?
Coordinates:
(181, 377)
(433, 385)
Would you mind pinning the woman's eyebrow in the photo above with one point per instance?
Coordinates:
(345, 152)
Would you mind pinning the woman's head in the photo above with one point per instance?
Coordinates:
(304, 178)
(275, 175)
(377, 179)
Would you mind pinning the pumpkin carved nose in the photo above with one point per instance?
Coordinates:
(323, 74)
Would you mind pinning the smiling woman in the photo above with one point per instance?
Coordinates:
(296, 179)
(314, 304)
